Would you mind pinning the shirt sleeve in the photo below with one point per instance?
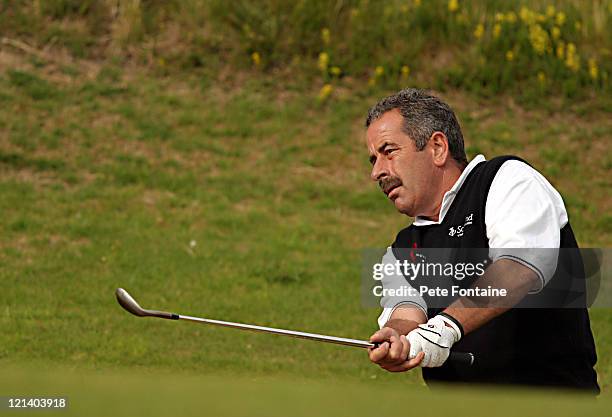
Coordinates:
(524, 216)
(396, 281)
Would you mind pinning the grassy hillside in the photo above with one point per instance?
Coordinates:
(528, 49)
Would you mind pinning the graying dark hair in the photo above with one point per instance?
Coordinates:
(423, 115)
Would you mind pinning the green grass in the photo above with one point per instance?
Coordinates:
(131, 393)
(107, 180)
(561, 48)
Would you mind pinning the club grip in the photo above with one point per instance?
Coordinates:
(461, 358)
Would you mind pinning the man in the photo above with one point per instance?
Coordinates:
(417, 155)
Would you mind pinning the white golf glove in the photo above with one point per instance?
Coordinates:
(434, 338)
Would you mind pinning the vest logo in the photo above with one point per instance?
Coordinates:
(414, 254)
(457, 231)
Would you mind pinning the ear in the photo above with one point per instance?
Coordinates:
(439, 148)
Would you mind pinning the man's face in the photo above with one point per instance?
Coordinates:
(407, 176)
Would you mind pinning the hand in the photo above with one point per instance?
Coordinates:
(435, 340)
(391, 353)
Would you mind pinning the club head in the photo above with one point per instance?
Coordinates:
(127, 302)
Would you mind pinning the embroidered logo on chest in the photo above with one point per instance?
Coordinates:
(457, 231)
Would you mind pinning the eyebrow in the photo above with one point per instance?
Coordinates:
(380, 149)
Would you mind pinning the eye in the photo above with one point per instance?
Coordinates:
(388, 151)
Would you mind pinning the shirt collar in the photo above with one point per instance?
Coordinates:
(449, 196)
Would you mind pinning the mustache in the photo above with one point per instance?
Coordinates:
(388, 183)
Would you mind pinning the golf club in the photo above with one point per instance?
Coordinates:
(127, 302)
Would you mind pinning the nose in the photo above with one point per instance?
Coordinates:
(379, 169)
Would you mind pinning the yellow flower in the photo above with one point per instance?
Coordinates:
(550, 10)
(323, 61)
(325, 92)
(593, 70)
(335, 71)
(541, 77)
(511, 17)
(509, 56)
(417, 3)
(539, 38)
(325, 36)
(379, 71)
(572, 60)
(405, 71)
(561, 50)
(497, 30)
(578, 26)
(556, 32)
(499, 17)
(453, 5)
(256, 58)
(527, 15)
(560, 18)
(573, 63)
(479, 31)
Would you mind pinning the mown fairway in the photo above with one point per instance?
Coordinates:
(242, 196)
(122, 393)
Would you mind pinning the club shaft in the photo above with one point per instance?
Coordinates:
(457, 358)
(291, 333)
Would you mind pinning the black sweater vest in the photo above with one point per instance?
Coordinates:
(533, 346)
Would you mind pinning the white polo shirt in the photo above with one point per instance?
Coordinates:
(523, 210)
